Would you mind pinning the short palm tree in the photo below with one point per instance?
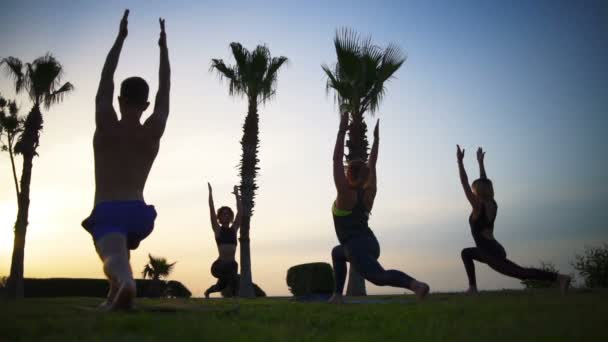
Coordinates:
(358, 79)
(41, 79)
(157, 268)
(11, 126)
(254, 76)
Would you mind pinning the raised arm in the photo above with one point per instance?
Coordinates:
(339, 176)
(239, 209)
(463, 177)
(158, 119)
(214, 225)
(480, 156)
(104, 111)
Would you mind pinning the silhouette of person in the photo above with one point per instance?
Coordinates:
(225, 268)
(481, 220)
(356, 191)
(124, 151)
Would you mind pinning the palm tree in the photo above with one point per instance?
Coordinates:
(254, 76)
(157, 268)
(11, 126)
(358, 79)
(41, 79)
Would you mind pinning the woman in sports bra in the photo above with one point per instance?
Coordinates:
(356, 193)
(225, 268)
(481, 197)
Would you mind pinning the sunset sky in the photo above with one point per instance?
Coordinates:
(527, 80)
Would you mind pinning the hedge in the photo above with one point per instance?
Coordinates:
(312, 278)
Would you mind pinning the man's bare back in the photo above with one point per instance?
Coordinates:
(123, 158)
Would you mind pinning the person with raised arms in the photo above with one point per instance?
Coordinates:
(225, 268)
(124, 151)
(356, 191)
(484, 208)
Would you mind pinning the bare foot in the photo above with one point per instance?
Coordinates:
(420, 289)
(471, 291)
(564, 283)
(336, 299)
(125, 296)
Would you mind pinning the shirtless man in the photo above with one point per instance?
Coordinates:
(124, 153)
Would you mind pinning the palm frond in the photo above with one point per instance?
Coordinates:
(57, 95)
(44, 76)
(14, 69)
(360, 71)
(225, 71)
(268, 84)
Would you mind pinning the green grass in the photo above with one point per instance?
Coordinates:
(489, 317)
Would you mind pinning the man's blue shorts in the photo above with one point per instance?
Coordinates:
(134, 219)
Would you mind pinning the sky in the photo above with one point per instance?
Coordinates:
(527, 80)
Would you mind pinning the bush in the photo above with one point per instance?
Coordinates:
(313, 278)
(593, 266)
(541, 284)
(229, 292)
(79, 287)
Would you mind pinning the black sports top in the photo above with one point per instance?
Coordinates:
(351, 223)
(481, 223)
(226, 236)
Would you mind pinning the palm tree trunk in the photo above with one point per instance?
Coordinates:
(15, 280)
(249, 168)
(357, 139)
(26, 145)
(246, 281)
(357, 149)
(11, 154)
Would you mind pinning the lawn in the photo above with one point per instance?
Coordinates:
(489, 317)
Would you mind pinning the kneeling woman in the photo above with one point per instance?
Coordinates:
(481, 220)
(225, 268)
(358, 245)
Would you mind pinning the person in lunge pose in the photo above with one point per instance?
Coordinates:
(356, 191)
(225, 268)
(124, 151)
(484, 208)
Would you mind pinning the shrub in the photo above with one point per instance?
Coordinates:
(229, 292)
(82, 287)
(593, 266)
(312, 278)
(541, 284)
(175, 289)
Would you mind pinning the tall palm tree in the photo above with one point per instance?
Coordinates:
(41, 79)
(11, 126)
(254, 76)
(358, 79)
(157, 268)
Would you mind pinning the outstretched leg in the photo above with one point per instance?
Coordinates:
(113, 251)
(338, 258)
(468, 255)
(509, 268)
(363, 254)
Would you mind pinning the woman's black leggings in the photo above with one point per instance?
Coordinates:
(492, 253)
(363, 252)
(226, 273)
